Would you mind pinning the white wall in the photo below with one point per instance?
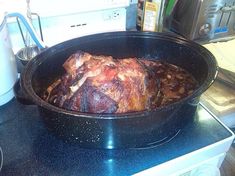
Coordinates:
(57, 17)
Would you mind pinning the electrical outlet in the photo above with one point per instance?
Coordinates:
(116, 14)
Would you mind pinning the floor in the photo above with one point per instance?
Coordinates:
(228, 165)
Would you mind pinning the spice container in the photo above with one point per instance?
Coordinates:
(150, 15)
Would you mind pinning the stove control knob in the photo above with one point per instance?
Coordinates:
(205, 29)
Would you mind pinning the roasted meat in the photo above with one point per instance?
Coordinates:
(102, 84)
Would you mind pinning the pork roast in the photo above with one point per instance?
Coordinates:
(102, 84)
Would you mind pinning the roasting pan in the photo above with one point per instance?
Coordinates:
(126, 130)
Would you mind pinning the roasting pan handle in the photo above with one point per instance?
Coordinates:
(21, 95)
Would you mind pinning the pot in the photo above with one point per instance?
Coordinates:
(127, 130)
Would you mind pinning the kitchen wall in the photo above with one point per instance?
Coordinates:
(12, 5)
(69, 17)
(61, 7)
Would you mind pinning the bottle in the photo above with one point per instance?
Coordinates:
(150, 15)
(140, 10)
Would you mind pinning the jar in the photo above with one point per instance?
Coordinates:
(150, 15)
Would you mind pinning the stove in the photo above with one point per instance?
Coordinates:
(29, 149)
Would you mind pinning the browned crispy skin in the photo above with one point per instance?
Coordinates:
(102, 84)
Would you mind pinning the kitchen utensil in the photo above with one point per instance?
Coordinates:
(32, 51)
(29, 27)
(29, 51)
(127, 130)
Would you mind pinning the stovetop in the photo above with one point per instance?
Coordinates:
(29, 149)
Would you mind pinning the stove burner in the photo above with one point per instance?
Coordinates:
(159, 142)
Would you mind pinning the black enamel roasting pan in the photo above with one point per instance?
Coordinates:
(128, 130)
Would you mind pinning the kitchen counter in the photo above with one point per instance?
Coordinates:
(220, 98)
(29, 149)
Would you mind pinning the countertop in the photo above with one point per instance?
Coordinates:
(220, 98)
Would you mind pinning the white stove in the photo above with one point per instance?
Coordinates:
(205, 160)
(29, 149)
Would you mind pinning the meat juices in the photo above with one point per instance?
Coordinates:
(102, 84)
